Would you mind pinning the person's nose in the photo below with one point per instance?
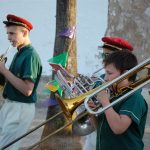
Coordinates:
(106, 78)
(8, 37)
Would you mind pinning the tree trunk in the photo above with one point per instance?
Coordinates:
(65, 18)
(130, 19)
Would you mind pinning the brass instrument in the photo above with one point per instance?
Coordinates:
(74, 86)
(78, 85)
(3, 58)
(69, 105)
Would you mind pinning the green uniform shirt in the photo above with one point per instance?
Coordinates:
(25, 65)
(136, 108)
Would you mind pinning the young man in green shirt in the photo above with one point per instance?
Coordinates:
(121, 127)
(22, 79)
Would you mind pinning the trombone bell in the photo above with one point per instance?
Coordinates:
(68, 106)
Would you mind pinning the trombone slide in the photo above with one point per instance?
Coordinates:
(103, 109)
(143, 65)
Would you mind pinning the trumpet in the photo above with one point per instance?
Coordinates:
(68, 106)
(3, 58)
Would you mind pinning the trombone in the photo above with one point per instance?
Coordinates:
(139, 83)
(68, 106)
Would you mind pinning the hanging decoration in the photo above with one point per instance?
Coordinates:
(69, 32)
(59, 62)
(53, 86)
(59, 59)
(48, 102)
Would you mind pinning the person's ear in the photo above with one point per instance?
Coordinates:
(25, 32)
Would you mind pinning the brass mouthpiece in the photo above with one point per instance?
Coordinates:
(3, 57)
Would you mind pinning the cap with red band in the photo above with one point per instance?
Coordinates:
(18, 21)
(116, 43)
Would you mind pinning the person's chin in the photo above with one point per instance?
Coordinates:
(14, 45)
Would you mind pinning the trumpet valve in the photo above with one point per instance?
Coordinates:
(3, 58)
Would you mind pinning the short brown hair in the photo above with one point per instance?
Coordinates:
(122, 60)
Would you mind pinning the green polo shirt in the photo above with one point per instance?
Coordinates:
(26, 64)
(136, 108)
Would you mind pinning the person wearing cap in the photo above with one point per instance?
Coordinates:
(22, 79)
(121, 127)
(110, 45)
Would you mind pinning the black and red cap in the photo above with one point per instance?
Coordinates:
(116, 43)
(18, 21)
